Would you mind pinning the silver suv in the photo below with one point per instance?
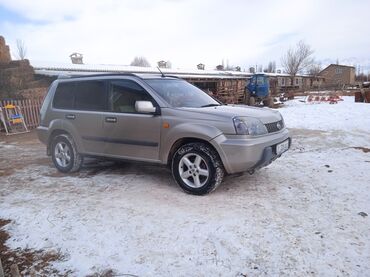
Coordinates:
(158, 119)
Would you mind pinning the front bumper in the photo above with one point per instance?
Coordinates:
(240, 154)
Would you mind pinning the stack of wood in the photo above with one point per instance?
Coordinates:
(230, 91)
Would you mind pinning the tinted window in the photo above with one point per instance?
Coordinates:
(64, 97)
(86, 95)
(124, 94)
(90, 95)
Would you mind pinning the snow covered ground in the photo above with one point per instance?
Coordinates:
(297, 217)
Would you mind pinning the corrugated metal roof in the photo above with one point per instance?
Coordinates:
(56, 69)
(47, 68)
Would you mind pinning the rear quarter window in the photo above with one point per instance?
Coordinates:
(64, 96)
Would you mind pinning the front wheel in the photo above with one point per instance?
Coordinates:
(197, 168)
(64, 154)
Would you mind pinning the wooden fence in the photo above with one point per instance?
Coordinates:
(30, 109)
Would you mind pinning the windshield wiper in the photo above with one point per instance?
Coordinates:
(210, 105)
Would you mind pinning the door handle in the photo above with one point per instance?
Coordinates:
(70, 116)
(111, 119)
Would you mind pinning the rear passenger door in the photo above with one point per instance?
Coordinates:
(81, 104)
(130, 134)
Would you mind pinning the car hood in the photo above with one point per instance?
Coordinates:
(227, 112)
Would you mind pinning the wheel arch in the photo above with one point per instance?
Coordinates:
(53, 134)
(182, 141)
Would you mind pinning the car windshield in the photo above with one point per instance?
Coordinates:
(179, 93)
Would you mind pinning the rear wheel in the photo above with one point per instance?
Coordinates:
(197, 168)
(64, 154)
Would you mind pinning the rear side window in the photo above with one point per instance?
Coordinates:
(86, 95)
(91, 96)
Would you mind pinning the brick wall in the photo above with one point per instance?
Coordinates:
(338, 75)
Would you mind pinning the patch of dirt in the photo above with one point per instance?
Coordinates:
(25, 138)
(8, 168)
(22, 151)
(363, 149)
(6, 172)
(29, 262)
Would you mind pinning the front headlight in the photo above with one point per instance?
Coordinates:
(249, 126)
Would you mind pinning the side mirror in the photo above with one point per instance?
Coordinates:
(145, 107)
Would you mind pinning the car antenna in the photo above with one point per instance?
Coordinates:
(161, 72)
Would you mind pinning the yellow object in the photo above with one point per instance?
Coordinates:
(17, 120)
(9, 106)
(12, 119)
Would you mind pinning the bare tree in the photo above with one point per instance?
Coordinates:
(314, 69)
(297, 59)
(168, 64)
(21, 49)
(140, 61)
(271, 67)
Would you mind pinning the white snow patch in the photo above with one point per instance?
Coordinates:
(345, 116)
(347, 119)
(5, 145)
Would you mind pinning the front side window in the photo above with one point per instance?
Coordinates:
(124, 94)
(179, 93)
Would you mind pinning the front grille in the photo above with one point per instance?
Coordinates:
(274, 126)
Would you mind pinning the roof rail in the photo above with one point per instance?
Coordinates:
(64, 76)
(73, 76)
(172, 76)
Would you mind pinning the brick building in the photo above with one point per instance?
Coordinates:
(337, 75)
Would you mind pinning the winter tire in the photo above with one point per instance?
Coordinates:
(64, 154)
(197, 168)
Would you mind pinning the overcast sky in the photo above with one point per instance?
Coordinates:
(187, 32)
